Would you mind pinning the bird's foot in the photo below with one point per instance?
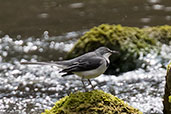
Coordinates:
(91, 84)
(86, 90)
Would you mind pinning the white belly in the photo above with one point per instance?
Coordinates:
(92, 73)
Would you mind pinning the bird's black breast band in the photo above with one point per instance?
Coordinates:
(107, 63)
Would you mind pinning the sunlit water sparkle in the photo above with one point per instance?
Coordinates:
(31, 89)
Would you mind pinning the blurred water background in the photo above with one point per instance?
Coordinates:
(45, 30)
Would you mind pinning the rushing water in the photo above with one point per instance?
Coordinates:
(31, 89)
(26, 89)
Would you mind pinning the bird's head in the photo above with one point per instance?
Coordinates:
(106, 52)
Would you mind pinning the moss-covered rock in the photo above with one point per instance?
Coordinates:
(131, 42)
(160, 33)
(93, 102)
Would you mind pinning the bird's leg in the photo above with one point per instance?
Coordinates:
(91, 84)
(82, 80)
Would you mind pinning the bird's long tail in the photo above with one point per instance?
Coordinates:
(43, 63)
(37, 63)
(59, 64)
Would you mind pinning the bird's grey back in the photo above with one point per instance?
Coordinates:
(76, 60)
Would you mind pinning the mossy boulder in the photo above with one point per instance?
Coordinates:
(93, 102)
(160, 33)
(131, 42)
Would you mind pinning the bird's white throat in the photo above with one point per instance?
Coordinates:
(106, 56)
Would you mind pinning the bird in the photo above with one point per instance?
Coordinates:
(87, 66)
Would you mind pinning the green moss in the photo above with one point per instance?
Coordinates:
(93, 102)
(169, 99)
(130, 39)
(161, 33)
(169, 66)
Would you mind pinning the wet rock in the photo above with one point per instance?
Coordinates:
(167, 95)
(90, 103)
(133, 43)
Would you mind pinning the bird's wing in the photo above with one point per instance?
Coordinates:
(84, 64)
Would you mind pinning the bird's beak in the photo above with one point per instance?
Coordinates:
(114, 52)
